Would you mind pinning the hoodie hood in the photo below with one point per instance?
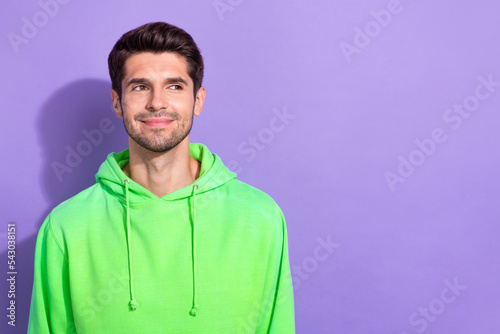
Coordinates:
(213, 174)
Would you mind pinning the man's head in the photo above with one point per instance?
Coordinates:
(156, 72)
(155, 37)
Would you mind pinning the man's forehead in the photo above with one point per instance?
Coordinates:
(149, 63)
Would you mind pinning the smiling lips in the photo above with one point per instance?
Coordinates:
(157, 122)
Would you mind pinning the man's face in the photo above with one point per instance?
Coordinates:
(157, 102)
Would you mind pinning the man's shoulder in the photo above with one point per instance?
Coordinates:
(251, 208)
(79, 204)
(252, 196)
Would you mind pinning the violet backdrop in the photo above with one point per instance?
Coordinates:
(371, 123)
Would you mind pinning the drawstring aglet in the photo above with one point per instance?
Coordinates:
(133, 305)
(194, 311)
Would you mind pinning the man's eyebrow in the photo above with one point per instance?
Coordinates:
(134, 81)
(176, 80)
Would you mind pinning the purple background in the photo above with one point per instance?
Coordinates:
(353, 118)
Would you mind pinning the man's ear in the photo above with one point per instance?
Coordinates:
(199, 101)
(116, 103)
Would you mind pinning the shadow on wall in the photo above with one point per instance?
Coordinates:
(77, 129)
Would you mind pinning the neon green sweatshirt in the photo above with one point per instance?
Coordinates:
(208, 258)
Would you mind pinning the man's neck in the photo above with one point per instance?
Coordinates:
(162, 173)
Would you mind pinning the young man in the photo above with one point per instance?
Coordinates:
(167, 240)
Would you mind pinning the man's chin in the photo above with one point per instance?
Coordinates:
(159, 146)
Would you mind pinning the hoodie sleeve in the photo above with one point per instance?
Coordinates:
(283, 320)
(50, 310)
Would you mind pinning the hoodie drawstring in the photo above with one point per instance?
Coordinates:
(132, 303)
(194, 308)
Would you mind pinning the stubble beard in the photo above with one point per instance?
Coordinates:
(156, 141)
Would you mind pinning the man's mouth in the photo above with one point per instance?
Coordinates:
(157, 122)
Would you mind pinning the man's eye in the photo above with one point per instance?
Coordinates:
(176, 87)
(140, 87)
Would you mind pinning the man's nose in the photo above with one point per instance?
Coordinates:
(158, 100)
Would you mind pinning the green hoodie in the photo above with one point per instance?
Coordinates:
(211, 257)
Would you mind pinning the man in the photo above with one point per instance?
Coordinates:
(167, 240)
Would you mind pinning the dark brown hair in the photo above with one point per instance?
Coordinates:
(155, 37)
